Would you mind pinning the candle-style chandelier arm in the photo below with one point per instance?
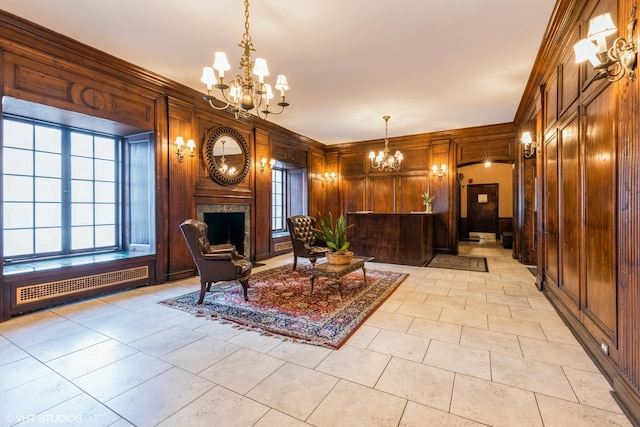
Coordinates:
(243, 94)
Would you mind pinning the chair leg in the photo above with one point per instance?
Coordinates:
(203, 290)
(295, 261)
(245, 287)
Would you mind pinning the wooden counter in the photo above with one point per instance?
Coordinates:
(392, 238)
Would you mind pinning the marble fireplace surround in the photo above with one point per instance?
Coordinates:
(201, 210)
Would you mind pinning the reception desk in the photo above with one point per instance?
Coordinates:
(392, 238)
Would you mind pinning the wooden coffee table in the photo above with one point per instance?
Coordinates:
(338, 271)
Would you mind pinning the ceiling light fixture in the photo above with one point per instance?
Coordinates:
(610, 63)
(384, 161)
(243, 94)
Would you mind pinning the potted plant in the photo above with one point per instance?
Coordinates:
(335, 236)
(427, 200)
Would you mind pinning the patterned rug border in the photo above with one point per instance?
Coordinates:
(332, 329)
(434, 264)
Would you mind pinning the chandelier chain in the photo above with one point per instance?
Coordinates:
(246, 64)
(244, 94)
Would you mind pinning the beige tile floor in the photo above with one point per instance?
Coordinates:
(448, 348)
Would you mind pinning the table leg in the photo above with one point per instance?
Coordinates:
(364, 274)
(312, 279)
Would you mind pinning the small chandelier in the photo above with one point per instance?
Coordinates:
(224, 168)
(384, 161)
(243, 94)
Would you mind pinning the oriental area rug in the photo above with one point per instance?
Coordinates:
(280, 303)
(459, 262)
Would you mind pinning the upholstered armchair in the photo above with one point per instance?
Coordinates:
(305, 244)
(215, 263)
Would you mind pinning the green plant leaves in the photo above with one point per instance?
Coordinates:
(334, 234)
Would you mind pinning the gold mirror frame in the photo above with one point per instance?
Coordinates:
(215, 135)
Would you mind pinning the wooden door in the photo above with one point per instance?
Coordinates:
(482, 208)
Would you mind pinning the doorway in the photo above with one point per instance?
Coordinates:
(482, 208)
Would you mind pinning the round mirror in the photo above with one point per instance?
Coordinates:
(226, 155)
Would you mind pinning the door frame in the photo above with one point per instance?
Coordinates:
(497, 215)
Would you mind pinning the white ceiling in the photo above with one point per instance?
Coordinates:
(429, 64)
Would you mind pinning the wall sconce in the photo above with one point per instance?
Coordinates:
(614, 62)
(529, 145)
(439, 172)
(330, 177)
(180, 150)
(263, 164)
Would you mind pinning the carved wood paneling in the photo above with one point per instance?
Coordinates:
(570, 87)
(181, 183)
(600, 229)
(44, 83)
(411, 189)
(628, 232)
(414, 159)
(352, 164)
(353, 194)
(262, 218)
(497, 150)
(382, 197)
(570, 214)
(286, 152)
(333, 202)
(551, 99)
(319, 189)
(551, 226)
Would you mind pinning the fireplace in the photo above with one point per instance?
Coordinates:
(228, 224)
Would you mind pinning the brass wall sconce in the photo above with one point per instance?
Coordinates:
(610, 63)
(263, 164)
(440, 172)
(330, 177)
(180, 151)
(530, 146)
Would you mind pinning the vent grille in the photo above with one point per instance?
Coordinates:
(283, 246)
(41, 291)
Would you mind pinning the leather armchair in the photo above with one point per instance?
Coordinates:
(305, 244)
(215, 263)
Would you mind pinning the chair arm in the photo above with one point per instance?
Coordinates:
(320, 242)
(218, 256)
(223, 249)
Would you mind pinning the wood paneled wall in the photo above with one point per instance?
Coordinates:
(364, 188)
(588, 194)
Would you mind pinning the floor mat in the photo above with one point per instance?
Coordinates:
(458, 262)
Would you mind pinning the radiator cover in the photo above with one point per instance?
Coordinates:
(42, 291)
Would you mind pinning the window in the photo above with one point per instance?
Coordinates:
(61, 190)
(288, 196)
(278, 200)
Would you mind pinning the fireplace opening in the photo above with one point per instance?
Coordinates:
(226, 227)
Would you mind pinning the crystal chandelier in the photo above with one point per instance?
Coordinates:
(384, 161)
(243, 94)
